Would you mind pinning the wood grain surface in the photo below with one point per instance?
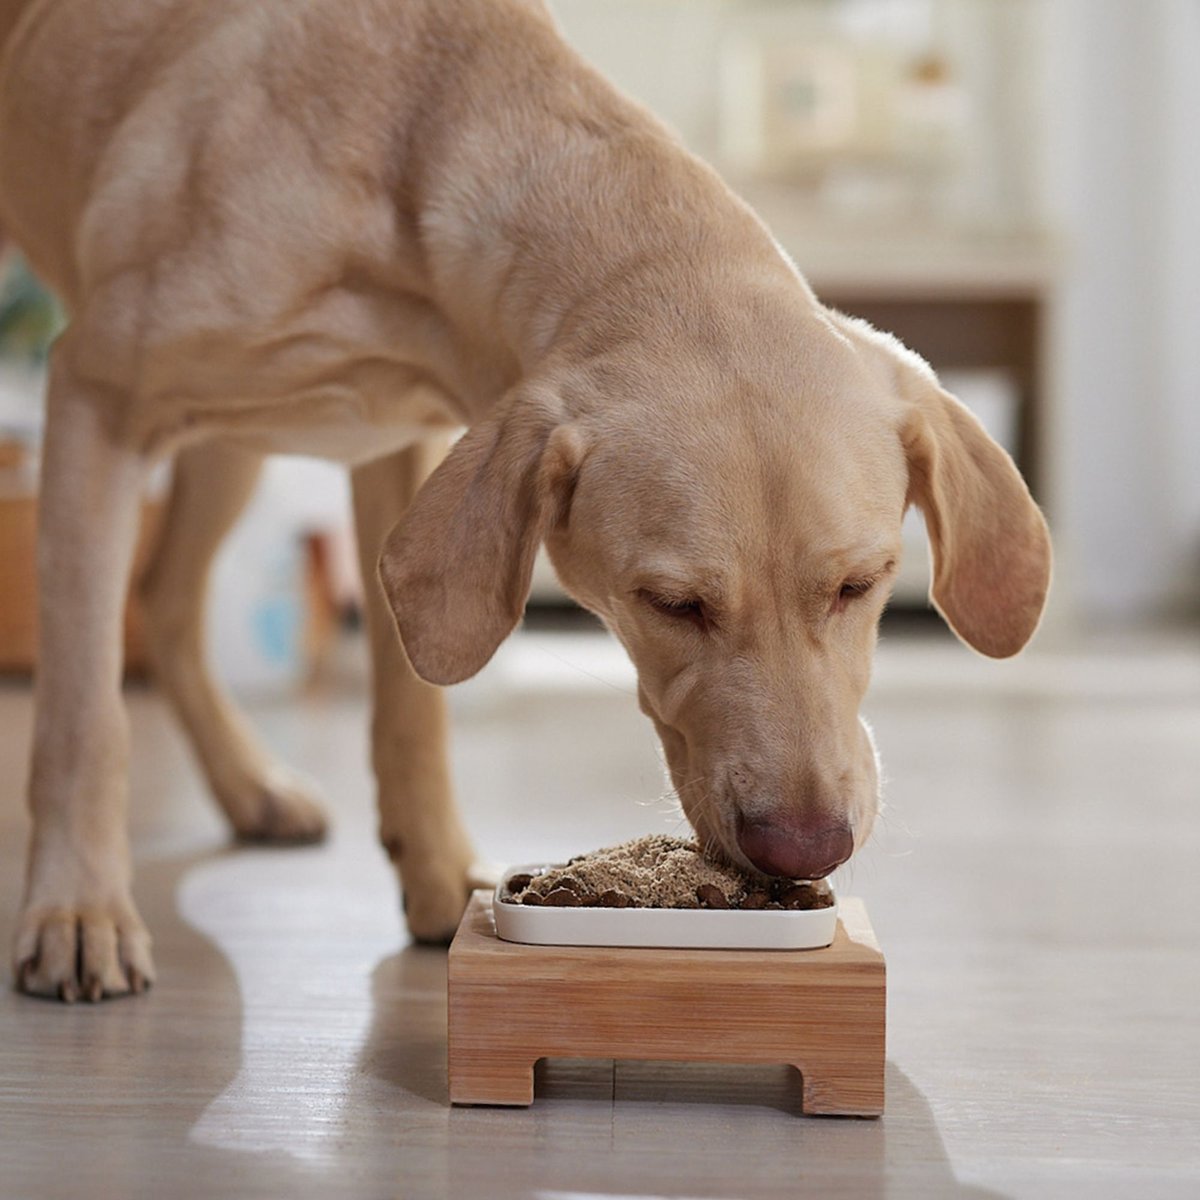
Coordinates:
(822, 1011)
(1033, 882)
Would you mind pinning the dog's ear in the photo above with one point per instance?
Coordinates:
(457, 567)
(991, 548)
(990, 544)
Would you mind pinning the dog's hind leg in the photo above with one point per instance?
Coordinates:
(79, 934)
(419, 823)
(264, 801)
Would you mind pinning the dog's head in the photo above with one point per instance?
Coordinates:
(739, 531)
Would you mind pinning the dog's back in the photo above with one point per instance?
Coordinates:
(119, 109)
(199, 179)
(137, 106)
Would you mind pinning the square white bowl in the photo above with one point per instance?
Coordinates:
(665, 928)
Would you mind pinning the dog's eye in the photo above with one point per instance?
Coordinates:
(854, 589)
(675, 606)
(851, 590)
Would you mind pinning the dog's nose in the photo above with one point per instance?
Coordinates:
(794, 847)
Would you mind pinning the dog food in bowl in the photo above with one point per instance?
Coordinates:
(660, 872)
(661, 891)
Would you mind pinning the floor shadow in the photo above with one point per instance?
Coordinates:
(599, 1128)
(405, 1047)
(117, 1095)
(105, 1097)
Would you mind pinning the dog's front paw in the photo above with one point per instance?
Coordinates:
(88, 951)
(275, 807)
(436, 889)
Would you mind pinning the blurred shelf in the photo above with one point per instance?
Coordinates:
(874, 258)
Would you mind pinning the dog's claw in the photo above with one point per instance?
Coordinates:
(88, 954)
(436, 940)
(434, 907)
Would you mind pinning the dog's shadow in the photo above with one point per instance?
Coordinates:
(604, 1128)
(120, 1086)
(189, 1082)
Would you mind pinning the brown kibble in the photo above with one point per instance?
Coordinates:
(775, 906)
(711, 896)
(806, 896)
(654, 871)
(796, 896)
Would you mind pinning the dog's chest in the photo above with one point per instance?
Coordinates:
(362, 411)
(336, 422)
(333, 380)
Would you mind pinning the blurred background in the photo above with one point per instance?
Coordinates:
(1012, 186)
(1008, 185)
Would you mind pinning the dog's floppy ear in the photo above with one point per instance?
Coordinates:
(457, 567)
(990, 544)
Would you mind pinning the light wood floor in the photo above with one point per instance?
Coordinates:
(1036, 886)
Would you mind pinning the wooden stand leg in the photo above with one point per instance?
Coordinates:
(491, 1079)
(835, 1089)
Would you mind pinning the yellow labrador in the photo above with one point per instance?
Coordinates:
(344, 227)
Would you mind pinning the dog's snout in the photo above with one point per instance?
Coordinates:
(794, 846)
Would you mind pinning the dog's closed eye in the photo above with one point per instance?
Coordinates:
(686, 608)
(856, 588)
(853, 588)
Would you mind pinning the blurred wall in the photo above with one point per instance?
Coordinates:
(1106, 106)
(1100, 139)
(1123, 180)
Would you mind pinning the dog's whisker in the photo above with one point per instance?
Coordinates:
(608, 683)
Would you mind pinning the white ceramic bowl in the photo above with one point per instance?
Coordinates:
(680, 928)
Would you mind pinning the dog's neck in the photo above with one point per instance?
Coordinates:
(595, 239)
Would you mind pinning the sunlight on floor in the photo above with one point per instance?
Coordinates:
(295, 1042)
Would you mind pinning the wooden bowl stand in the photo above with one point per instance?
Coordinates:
(821, 1011)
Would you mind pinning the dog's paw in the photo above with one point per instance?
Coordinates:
(82, 951)
(276, 808)
(435, 894)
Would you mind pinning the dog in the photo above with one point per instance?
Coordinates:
(346, 228)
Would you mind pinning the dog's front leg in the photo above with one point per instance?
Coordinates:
(79, 933)
(419, 823)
